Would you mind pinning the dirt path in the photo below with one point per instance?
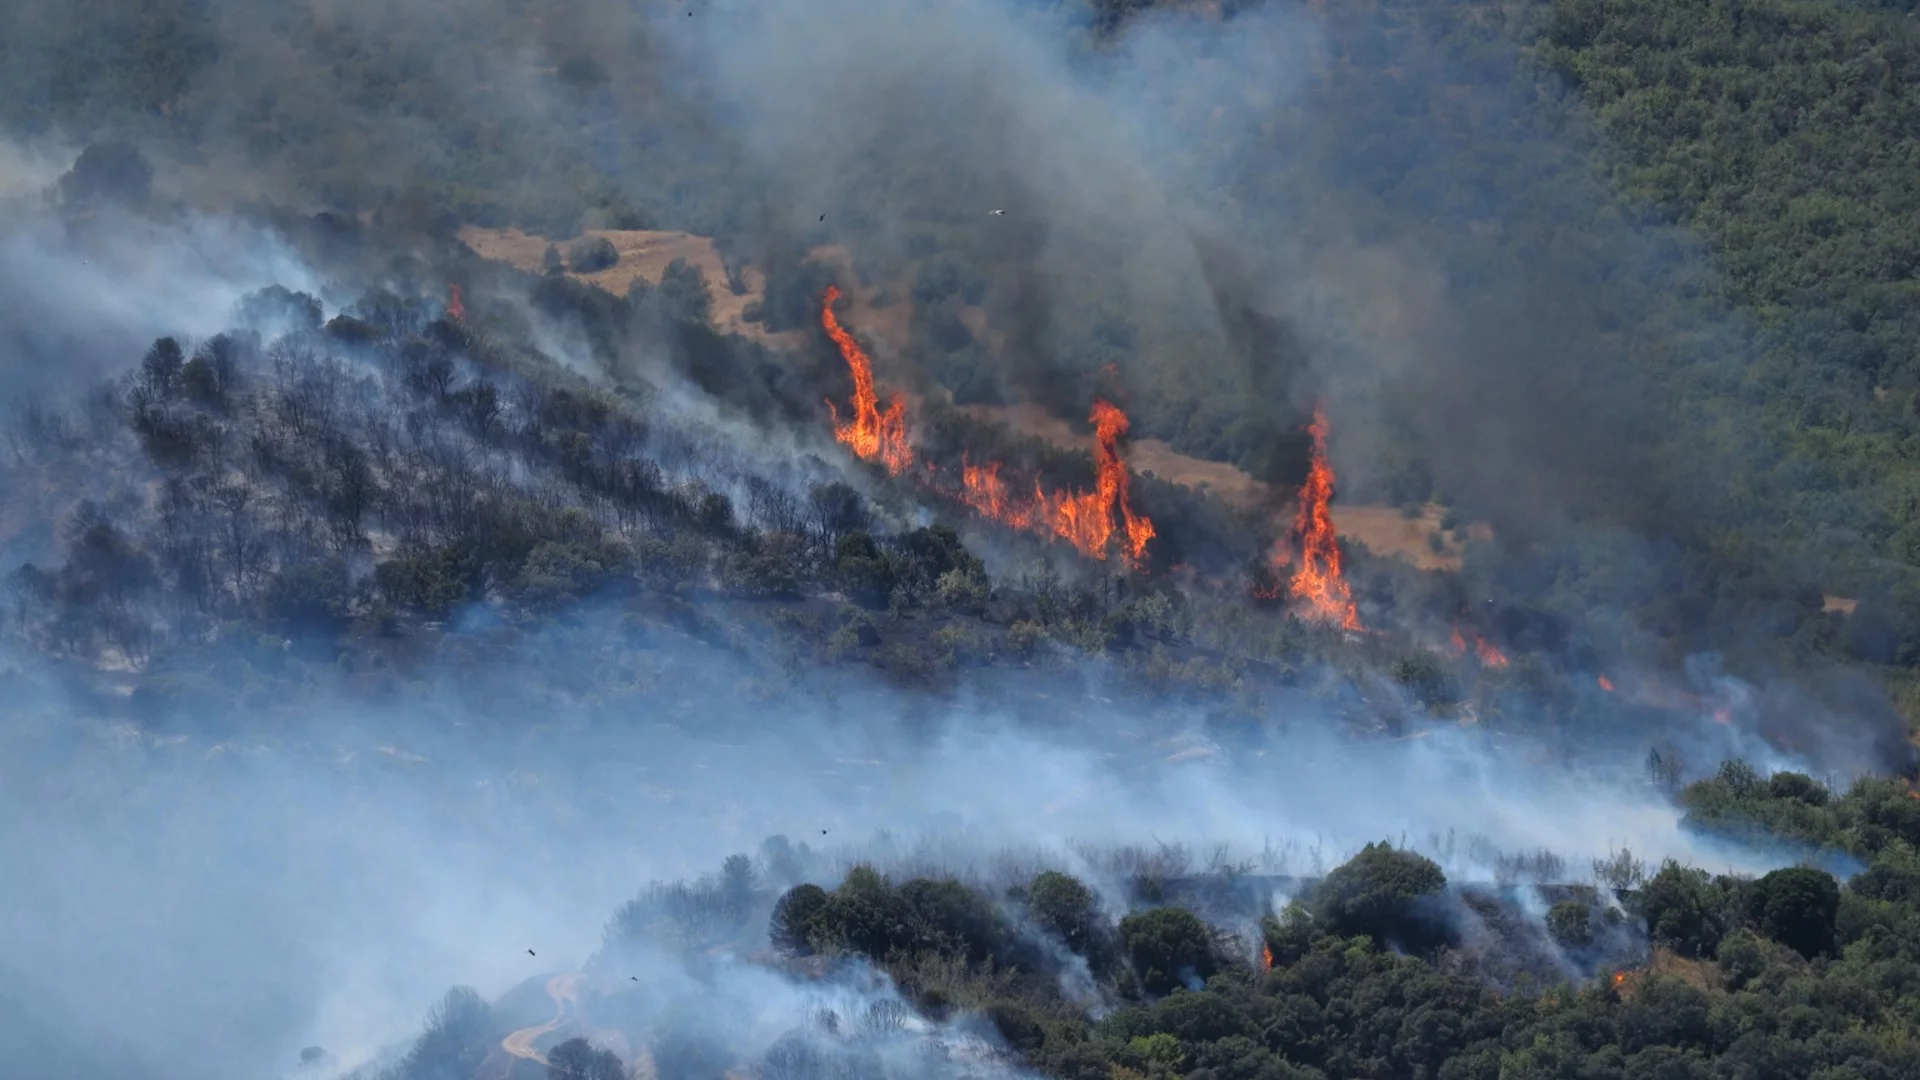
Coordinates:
(565, 992)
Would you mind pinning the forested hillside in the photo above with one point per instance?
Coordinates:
(1619, 295)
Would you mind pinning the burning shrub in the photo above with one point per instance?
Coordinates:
(1387, 895)
(1168, 947)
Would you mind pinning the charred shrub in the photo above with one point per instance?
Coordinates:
(1169, 948)
(591, 254)
(308, 599)
(1390, 896)
(1571, 924)
(867, 576)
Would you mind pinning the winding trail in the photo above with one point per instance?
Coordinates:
(565, 992)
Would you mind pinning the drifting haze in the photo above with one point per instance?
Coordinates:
(195, 903)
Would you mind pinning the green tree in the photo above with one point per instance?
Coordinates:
(1167, 947)
(1388, 895)
(1797, 907)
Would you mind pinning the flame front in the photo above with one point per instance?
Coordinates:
(871, 433)
(455, 309)
(1266, 957)
(1319, 583)
(1084, 519)
(1489, 654)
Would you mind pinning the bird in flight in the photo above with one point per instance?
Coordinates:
(998, 213)
(529, 952)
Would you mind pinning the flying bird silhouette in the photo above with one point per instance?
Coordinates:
(529, 952)
(998, 213)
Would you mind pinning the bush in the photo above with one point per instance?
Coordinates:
(1168, 948)
(1683, 911)
(796, 916)
(591, 254)
(1061, 905)
(1571, 924)
(1388, 895)
(309, 598)
(1797, 907)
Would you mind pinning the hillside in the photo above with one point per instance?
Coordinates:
(1231, 541)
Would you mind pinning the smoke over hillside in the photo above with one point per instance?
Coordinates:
(381, 619)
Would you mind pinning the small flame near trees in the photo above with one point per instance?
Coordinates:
(1488, 653)
(455, 309)
(1319, 583)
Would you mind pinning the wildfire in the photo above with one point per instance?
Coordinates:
(1619, 978)
(1266, 957)
(1490, 654)
(1083, 519)
(1606, 684)
(1318, 582)
(455, 309)
(871, 433)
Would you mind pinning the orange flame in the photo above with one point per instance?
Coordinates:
(873, 434)
(1318, 582)
(1266, 957)
(455, 309)
(1489, 654)
(1606, 684)
(1083, 519)
(1619, 978)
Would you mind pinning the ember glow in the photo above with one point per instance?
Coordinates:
(1266, 957)
(1087, 520)
(1319, 583)
(455, 309)
(1606, 684)
(871, 433)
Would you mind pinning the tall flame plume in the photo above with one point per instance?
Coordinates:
(1087, 520)
(1319, 583)
(872, 433)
